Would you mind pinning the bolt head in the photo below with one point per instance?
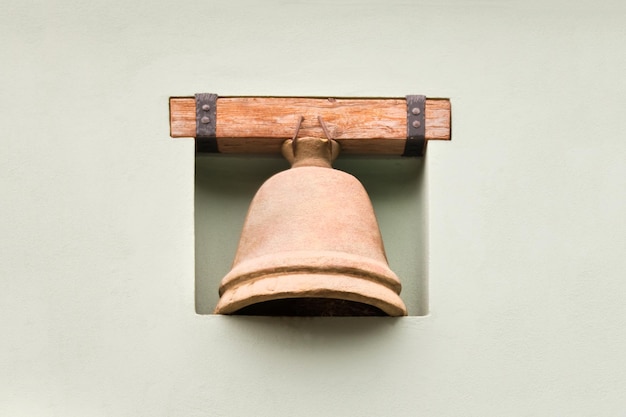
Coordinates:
(205, 120)
(416, 124)
(206, 107)
(416, 110)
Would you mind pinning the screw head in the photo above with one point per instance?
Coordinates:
(416, 124)
(416, 110)
(205, 120)
(206, 107)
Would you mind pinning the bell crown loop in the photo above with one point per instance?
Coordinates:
(310, 151)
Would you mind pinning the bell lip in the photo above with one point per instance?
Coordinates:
(273, 287)
(313, 262)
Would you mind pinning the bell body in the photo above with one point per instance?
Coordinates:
(311, 245)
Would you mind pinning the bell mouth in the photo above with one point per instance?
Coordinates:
(348, 293)
(310, 307)
(337, 283)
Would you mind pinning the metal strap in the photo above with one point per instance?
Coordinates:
(206, 111)
(415, 126)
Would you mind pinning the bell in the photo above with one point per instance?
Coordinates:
(310, 245)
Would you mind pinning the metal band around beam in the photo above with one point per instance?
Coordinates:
(415, 126)
(206, 112)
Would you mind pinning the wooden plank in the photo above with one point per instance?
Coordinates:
(261, 124)
(182, 117)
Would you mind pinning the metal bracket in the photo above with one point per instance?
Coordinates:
(206, 105)
(415, 126)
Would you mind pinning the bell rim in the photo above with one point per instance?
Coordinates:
(315, 262)
(341, 287)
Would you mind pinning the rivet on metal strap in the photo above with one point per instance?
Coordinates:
(415, 126)
(206, 106)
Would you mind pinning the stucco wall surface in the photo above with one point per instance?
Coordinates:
(526, 231)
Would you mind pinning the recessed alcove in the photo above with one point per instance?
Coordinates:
(225, 185)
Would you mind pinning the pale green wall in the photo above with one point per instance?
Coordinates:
(526, 234)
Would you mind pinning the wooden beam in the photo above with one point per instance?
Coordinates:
(360, 125)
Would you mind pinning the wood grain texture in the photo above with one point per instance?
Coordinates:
(360, 125)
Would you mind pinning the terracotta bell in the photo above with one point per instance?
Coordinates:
(310, 245)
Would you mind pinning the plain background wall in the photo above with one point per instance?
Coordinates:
(526, 207)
